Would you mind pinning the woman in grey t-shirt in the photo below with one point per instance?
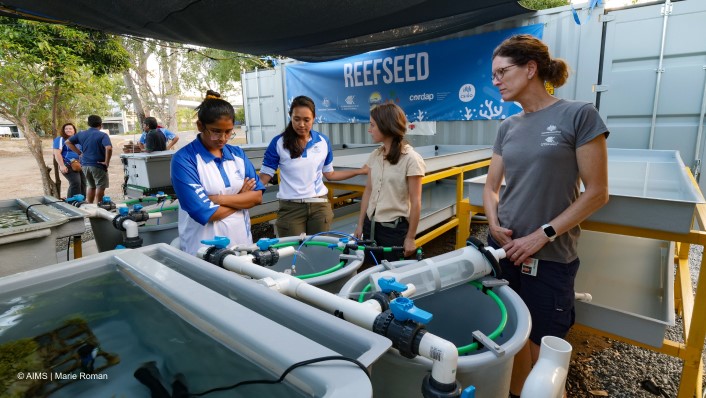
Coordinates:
(542, 153)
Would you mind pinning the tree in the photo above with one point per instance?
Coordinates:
(217, 70)
(543, 4)
(154, 94)
(47, 72)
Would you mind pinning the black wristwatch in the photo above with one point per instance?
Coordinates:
(549, 231)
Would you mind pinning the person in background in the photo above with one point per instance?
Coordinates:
(304, 157)
(543, 153)
(155, 140)
(392, 200)
(65, 158)
(95, 153)
(171, 138)
(215, 182)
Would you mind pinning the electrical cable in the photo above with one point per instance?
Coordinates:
(38, 204)
(285, 373)
(68, 246)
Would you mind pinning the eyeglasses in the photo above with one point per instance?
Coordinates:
(217, 135)
(500, 73)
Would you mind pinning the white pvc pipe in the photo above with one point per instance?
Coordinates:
(585, 297)
(548, 376)
(442, 353)
(130, 228)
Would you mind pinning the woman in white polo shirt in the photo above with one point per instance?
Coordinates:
(392, 201)
(304, 157)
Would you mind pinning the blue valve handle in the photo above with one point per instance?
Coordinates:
(265, 243)
(106, 199)
(123, 211)
(137, 207)
(220, 242)
(390, 284)
(404, 309)
(469, 392)
(76, 198)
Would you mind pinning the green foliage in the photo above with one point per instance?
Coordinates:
(217, 70)
(543, 4)
(44, 64)
(240, 115)
(186, 119)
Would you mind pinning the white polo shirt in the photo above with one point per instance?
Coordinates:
(196, 173)
(301, 177)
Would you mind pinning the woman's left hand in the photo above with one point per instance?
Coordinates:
(215, 199)
(519, 250)
(409, 247)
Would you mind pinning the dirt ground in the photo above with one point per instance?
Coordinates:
(22, 178)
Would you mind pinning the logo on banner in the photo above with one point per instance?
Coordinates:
(375, 99)
(326, 103)
(349, 103)
(467, 92)
(421, 97)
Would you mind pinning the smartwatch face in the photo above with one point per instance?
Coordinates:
(549, 231)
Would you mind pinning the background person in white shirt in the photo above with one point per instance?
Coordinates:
(303, 156)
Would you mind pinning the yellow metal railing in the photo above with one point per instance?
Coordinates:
(462, 217)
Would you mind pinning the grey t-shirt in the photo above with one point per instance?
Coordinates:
(541, 170)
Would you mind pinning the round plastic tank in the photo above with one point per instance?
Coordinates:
(317, 262)
(458, 312)
(158, 230)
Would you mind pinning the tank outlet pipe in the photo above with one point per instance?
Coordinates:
(442, 353)
(96, 212)
(585, 297)
(548, 376)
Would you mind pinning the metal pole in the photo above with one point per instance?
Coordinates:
(259, 104)
(698, 150)
(666, 10)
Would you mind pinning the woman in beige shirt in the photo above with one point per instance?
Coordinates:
(392, 200)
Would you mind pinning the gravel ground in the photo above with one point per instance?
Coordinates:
(600, 367)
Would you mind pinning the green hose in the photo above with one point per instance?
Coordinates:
(503, 320)
(473, 346)
(313, 243)
(140, 200)
(168, 208)
(366, 289)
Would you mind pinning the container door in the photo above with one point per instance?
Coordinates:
(629, 85)
(265, 109)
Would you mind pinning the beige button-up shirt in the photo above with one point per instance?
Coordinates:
(389, 198)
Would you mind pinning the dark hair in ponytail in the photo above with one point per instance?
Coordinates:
(290, 140)
(392, 122)
(213, 108)
(524, 48)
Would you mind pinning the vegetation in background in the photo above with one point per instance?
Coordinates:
(543, 4)
(53, 73)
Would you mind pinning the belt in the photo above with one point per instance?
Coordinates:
(307, 200)
(392, 224)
